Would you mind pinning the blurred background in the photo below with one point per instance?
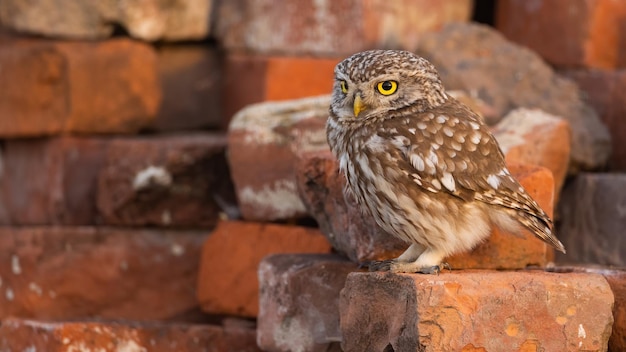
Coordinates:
(134, 189)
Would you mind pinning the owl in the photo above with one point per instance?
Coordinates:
(424, 165)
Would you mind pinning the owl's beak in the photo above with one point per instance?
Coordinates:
(358, 105)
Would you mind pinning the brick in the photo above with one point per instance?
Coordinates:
(299, 301)
(48, 86)
(479, 60)
(356, 235)
(269, 78)
(592, 220)
(263, 143)
(228, 281)
(345, 26)
(588, 34)
(350, 230)
(190, 77)
(604, 91)
(531, 136)
(476, 311)
(50, 181)
(172, 181)
(89, 272)
(147, 20)
(617, 281)
(58, 336)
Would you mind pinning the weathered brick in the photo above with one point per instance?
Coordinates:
(355, 234)
(228, 282)
(617, 281)
(176, 181)
(190, 77)
(299, 301)
(52, 87)
(50, 181)
(476, 311)
(344, 26)
(589, 33)
(263, 142)
(31, 335)
(531, 136)
(87, 272)
(592, 219)
(147, 20)
(479, 60)
(269, 78)
(605, 92)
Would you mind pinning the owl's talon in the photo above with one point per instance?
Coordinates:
(380, 265)
(431, 270)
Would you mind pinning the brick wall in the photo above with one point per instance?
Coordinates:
(166, 185)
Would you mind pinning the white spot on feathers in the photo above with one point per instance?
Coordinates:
(493, 181)
(448, 181)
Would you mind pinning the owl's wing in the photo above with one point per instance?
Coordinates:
(450, 150)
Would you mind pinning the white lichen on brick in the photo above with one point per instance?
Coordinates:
(292, 335)
(512, 130)
(9, 294)
(35, 288)
(281, 199)
(150, 177)
(16, 268)
(130, 346)
(261, 122)
(177, 249)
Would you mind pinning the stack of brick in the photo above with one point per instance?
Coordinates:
(145, 206)
(102, 223)
(587, 43)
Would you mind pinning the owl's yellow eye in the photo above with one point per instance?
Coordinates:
(344, 87)
(387, 87)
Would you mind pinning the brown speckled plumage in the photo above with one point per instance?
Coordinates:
(421, 163)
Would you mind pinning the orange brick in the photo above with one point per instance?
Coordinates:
(476, 311)
(506, 251)
(341, 26)
(51, 87)
(252, 79)
(30, 335)
(587, 33)
(228, 281)
(531, 136)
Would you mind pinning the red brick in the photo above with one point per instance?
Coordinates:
(476, 311)
(344, 26)
(355, 234)
(348, 228)
(587, 34)
(51, 87)
(263, 142)
(147, 20)
(269, 78)
(86, 272)
(31, 335)
(617, 280)
(605, 92)
(50, 181)
(534, 137)
(175, 181)
(299, 301)
(190, 77)
(228, 282)
(506, 251)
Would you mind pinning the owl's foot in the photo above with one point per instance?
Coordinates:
(379, 265)
(403, 267)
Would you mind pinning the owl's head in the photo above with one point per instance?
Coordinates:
(370, 84)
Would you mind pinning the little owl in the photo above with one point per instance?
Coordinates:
(421, 163)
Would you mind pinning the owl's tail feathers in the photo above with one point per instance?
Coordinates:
(541, 229)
